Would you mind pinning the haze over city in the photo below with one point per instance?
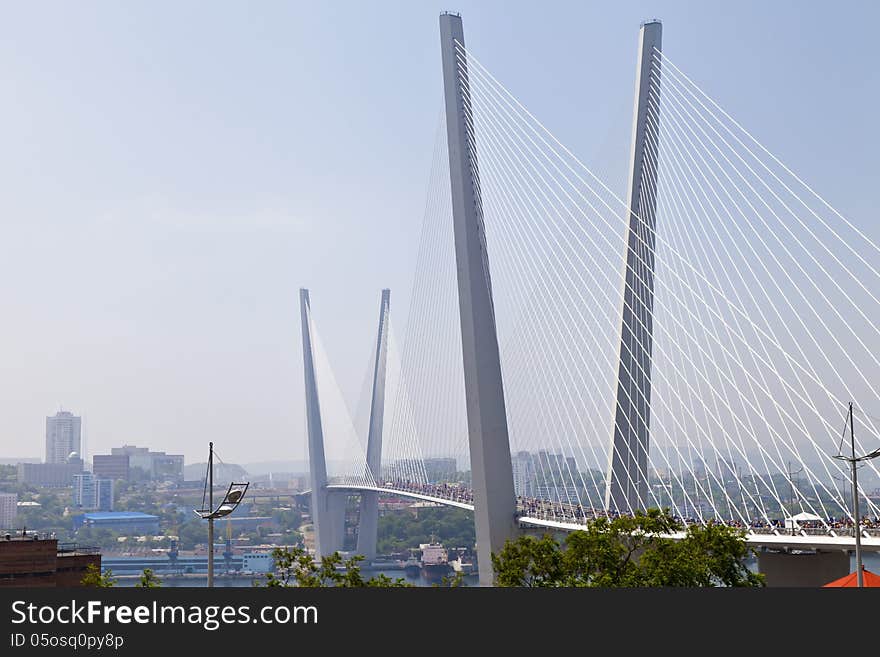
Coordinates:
(174, 174)
(626, 270)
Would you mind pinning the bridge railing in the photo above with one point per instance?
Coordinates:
(449, 492)
(565, 512)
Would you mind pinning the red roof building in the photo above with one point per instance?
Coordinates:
(868, 579)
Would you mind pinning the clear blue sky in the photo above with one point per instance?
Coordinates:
(173, 172)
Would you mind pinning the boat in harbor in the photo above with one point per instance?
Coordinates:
(434, 562)
(412, 566)
(462, 565)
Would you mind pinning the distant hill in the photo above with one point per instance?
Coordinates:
(222, 471)
(265, 467)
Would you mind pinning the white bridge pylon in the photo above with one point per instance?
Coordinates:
(715, 317)
(336, 456)
(345, 457)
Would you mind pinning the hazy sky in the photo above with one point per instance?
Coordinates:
(172, 173)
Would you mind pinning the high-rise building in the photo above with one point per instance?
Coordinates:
(557, 465)
(92, 493)
(523, 474)
(63, 436)
(559, 492)
(546, 475)
(8, 509)
(440, 469)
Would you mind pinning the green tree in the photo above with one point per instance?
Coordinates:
(296, 567)
(399, 531)
(529, 561)
(710, 555)
(95, 578)
(630, 551)
(452, 582)
(149, 580)
(287, 518)
(192, 532)
(8, 476)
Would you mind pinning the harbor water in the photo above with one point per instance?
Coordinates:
(870, 560)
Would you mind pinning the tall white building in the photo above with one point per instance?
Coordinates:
(8, 510)
(63, 436)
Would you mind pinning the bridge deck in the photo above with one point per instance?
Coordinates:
(755, 539)
(405, 493)
(798, 542)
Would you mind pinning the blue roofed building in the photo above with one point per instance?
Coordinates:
(128, 522)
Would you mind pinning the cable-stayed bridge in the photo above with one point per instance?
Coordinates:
(693, 342)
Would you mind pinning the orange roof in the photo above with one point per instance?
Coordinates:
(868, 579)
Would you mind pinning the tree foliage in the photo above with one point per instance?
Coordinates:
(95, 578)
(149, 580)
(457, 580)
(399, 531)
(296, 567)
(629, 551)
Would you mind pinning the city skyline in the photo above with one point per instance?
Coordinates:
(181, 309)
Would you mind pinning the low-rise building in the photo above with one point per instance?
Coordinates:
(49, 475)
(249, 523)
(151, 465)
(128, 522)
(38, 562)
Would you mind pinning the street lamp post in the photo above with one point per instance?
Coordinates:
(210, 518)
(234, 495)
(853, 461)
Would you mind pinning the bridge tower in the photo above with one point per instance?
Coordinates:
(627, 481)
(328, 508)
(369, 511)
(491, 470)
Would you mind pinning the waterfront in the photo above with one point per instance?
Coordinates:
(870, 560)
(222, 581)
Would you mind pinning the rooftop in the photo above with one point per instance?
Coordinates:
(75, 549)
(119, 515)
(30, 538)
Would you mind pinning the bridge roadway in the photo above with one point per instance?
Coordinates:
(763, 537)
